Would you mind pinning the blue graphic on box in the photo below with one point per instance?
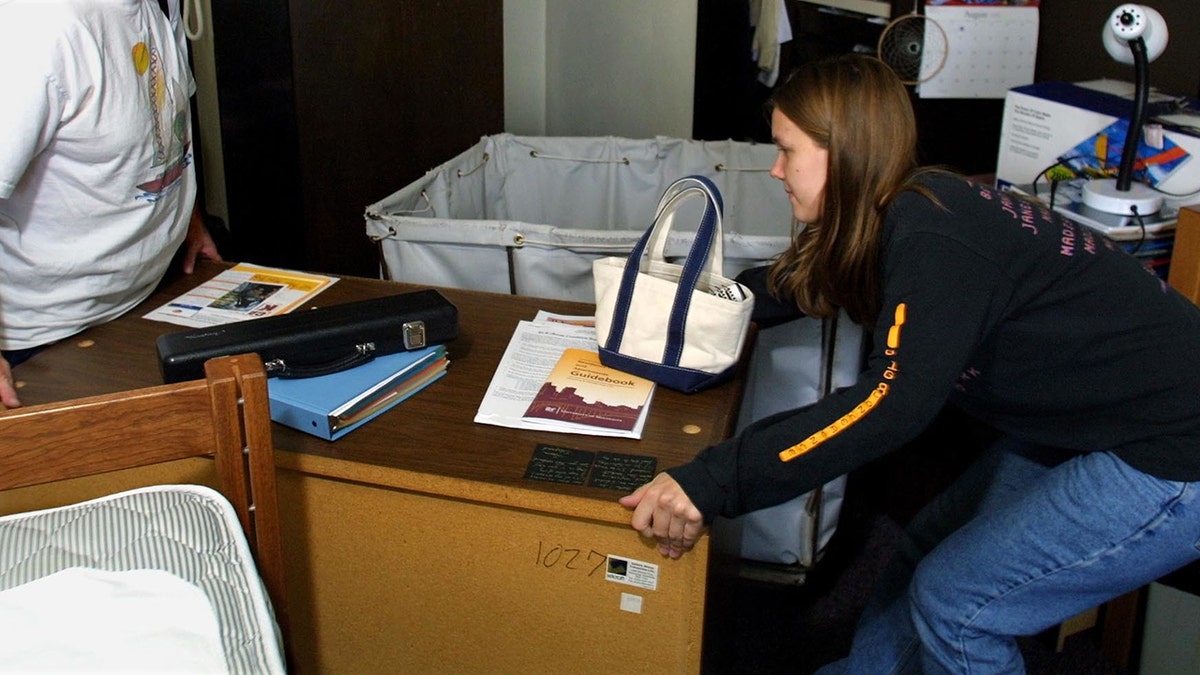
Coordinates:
(1100, 156)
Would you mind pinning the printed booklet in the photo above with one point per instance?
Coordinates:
(533, 354)
(582, 391)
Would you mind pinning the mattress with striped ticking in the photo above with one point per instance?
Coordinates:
(191, 532)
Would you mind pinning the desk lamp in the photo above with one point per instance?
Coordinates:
(1134, 34)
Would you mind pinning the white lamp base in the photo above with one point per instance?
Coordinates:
(1103, 195)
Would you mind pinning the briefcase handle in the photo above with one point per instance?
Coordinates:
(289, 371)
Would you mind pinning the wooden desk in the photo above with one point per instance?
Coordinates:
(415, 545)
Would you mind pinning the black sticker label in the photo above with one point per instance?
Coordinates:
(626, 473)
(555, 464)
(607, 470)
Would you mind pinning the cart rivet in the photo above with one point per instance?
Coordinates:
(84, 344)
(691, 428)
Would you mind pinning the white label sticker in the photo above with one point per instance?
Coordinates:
(632, 572)
(631, 603)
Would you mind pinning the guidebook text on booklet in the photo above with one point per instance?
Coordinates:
(581, 391)
(527, 368)
(331, 406)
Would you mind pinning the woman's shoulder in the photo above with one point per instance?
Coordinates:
(927, 190)
(939, 180)
(945, 190)
(945, 203)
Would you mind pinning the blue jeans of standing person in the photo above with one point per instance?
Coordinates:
(1012, 548)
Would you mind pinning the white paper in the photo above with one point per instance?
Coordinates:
(532, 352)
(989, 50)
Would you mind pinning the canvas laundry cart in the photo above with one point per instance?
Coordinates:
(528, 215)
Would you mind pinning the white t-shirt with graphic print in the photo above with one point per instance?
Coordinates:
(96, 175)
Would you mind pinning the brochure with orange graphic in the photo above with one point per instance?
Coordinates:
(534, 354)
(242, 292)
(581, 391)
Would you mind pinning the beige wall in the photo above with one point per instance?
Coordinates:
(599, 67)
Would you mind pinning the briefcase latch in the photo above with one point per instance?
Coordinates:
(414, 334)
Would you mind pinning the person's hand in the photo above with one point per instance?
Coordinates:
(8, 390)
(199, 244)
(662, 511)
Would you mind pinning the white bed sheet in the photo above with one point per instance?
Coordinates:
(88, 620)
(171, 546)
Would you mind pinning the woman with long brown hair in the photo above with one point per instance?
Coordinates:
(1086, 364)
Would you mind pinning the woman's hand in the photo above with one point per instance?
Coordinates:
(662, 511)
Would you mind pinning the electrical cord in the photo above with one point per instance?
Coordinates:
(1057, 174)
(1062, 166)
(1060, 171)
(1133, 210)
(1176, 195)
(1062, 163)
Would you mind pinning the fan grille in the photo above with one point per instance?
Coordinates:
(914, 47)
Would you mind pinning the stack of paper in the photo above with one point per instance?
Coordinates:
(330, 406)
(551, 378)
(581, 394)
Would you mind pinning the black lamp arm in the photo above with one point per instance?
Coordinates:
(1141, 95)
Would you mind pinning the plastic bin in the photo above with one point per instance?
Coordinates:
(527, 215)
(795, 364)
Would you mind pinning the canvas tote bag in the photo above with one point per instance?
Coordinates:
(680, 325)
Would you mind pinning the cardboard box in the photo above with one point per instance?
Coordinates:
(1047, 120)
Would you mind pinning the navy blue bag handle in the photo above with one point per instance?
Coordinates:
(693, 266)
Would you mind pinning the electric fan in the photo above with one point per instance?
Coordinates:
(914, 46)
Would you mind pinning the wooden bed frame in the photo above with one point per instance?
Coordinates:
(225, 416)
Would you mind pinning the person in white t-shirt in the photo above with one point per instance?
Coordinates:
(97, 186)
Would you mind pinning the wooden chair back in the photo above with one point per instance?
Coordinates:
(225, 416)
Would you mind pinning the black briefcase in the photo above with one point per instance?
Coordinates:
(317, 341)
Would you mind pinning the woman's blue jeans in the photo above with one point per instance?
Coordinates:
(1012, 548)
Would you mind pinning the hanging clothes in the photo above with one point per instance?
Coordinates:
(771, 29)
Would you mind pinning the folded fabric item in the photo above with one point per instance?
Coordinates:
(90, 620)
(190, 534)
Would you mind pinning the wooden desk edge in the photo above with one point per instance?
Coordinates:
(462, 489)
